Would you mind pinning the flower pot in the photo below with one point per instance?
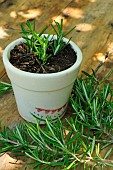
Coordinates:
(41, 94)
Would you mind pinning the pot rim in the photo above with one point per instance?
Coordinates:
(6, 56)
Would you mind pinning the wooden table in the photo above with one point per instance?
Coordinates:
(93, 34)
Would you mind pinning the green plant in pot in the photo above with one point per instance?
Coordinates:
(42, 69)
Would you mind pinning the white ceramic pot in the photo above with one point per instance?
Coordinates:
(41, 94)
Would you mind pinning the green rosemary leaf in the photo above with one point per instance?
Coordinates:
(106, 145)
(29, 25)
(108, 153)
(70, 166)
(54, 28)
(57, 164)
(45, 28)
(4, 87)
(19, 135)
(23, 29)
(69, 31)
(87, 74)
(109, 164)
(108, 75)
(93, 145)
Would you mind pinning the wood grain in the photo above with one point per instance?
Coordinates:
(93, 34)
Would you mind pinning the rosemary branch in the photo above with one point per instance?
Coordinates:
(4, 87)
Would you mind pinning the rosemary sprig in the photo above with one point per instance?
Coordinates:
(93, 105)
(4, 87)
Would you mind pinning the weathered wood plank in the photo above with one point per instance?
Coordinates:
(93, 34)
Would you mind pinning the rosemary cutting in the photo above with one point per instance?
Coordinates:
(4, 87)
(40, 44)
(79, 140)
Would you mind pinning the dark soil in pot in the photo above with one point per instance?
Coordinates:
(28, 61)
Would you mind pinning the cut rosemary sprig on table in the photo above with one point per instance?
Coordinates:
(77, 141)
(4, 87)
